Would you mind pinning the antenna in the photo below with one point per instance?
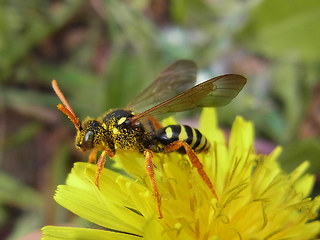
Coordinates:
(65, 108)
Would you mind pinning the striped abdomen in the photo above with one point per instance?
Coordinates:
(190, 135)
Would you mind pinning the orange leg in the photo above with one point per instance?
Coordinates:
(193, 159)
(93, 156)
(100, 164)
(150, 172)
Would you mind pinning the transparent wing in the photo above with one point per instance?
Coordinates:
(215, 92)
(175, 79)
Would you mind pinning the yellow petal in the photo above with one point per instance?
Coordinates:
(99, 207)
(70, 233)
(241, 136)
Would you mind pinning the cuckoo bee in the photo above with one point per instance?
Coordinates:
(136, 128)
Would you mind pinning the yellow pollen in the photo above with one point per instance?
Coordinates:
(115, 131)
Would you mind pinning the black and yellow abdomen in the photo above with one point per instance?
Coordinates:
(192, 136)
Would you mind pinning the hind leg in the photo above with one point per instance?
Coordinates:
(194, 160)
(149, 168)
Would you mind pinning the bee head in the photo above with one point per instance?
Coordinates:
(90, 135)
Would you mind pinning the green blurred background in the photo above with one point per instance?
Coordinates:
(104, 52)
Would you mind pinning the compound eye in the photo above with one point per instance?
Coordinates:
(88, 140)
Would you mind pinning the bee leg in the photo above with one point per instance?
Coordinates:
(193, 159)
(100, 164)
(93, 156)
(149, 168)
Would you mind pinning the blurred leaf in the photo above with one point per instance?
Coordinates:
(284, 29)
(83, 89)
(189, 11)
(59, 169)
(15, 96)
(126, 23)
(22, 135)
(3, 214)
(127, 76)
(16, 193)
(271, 124)
(59, 163)
(287, 87)
(28, 222)
(29, 103)
(297, 152)
(25, 24)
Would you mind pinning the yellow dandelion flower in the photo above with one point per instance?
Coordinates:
(257, 200)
